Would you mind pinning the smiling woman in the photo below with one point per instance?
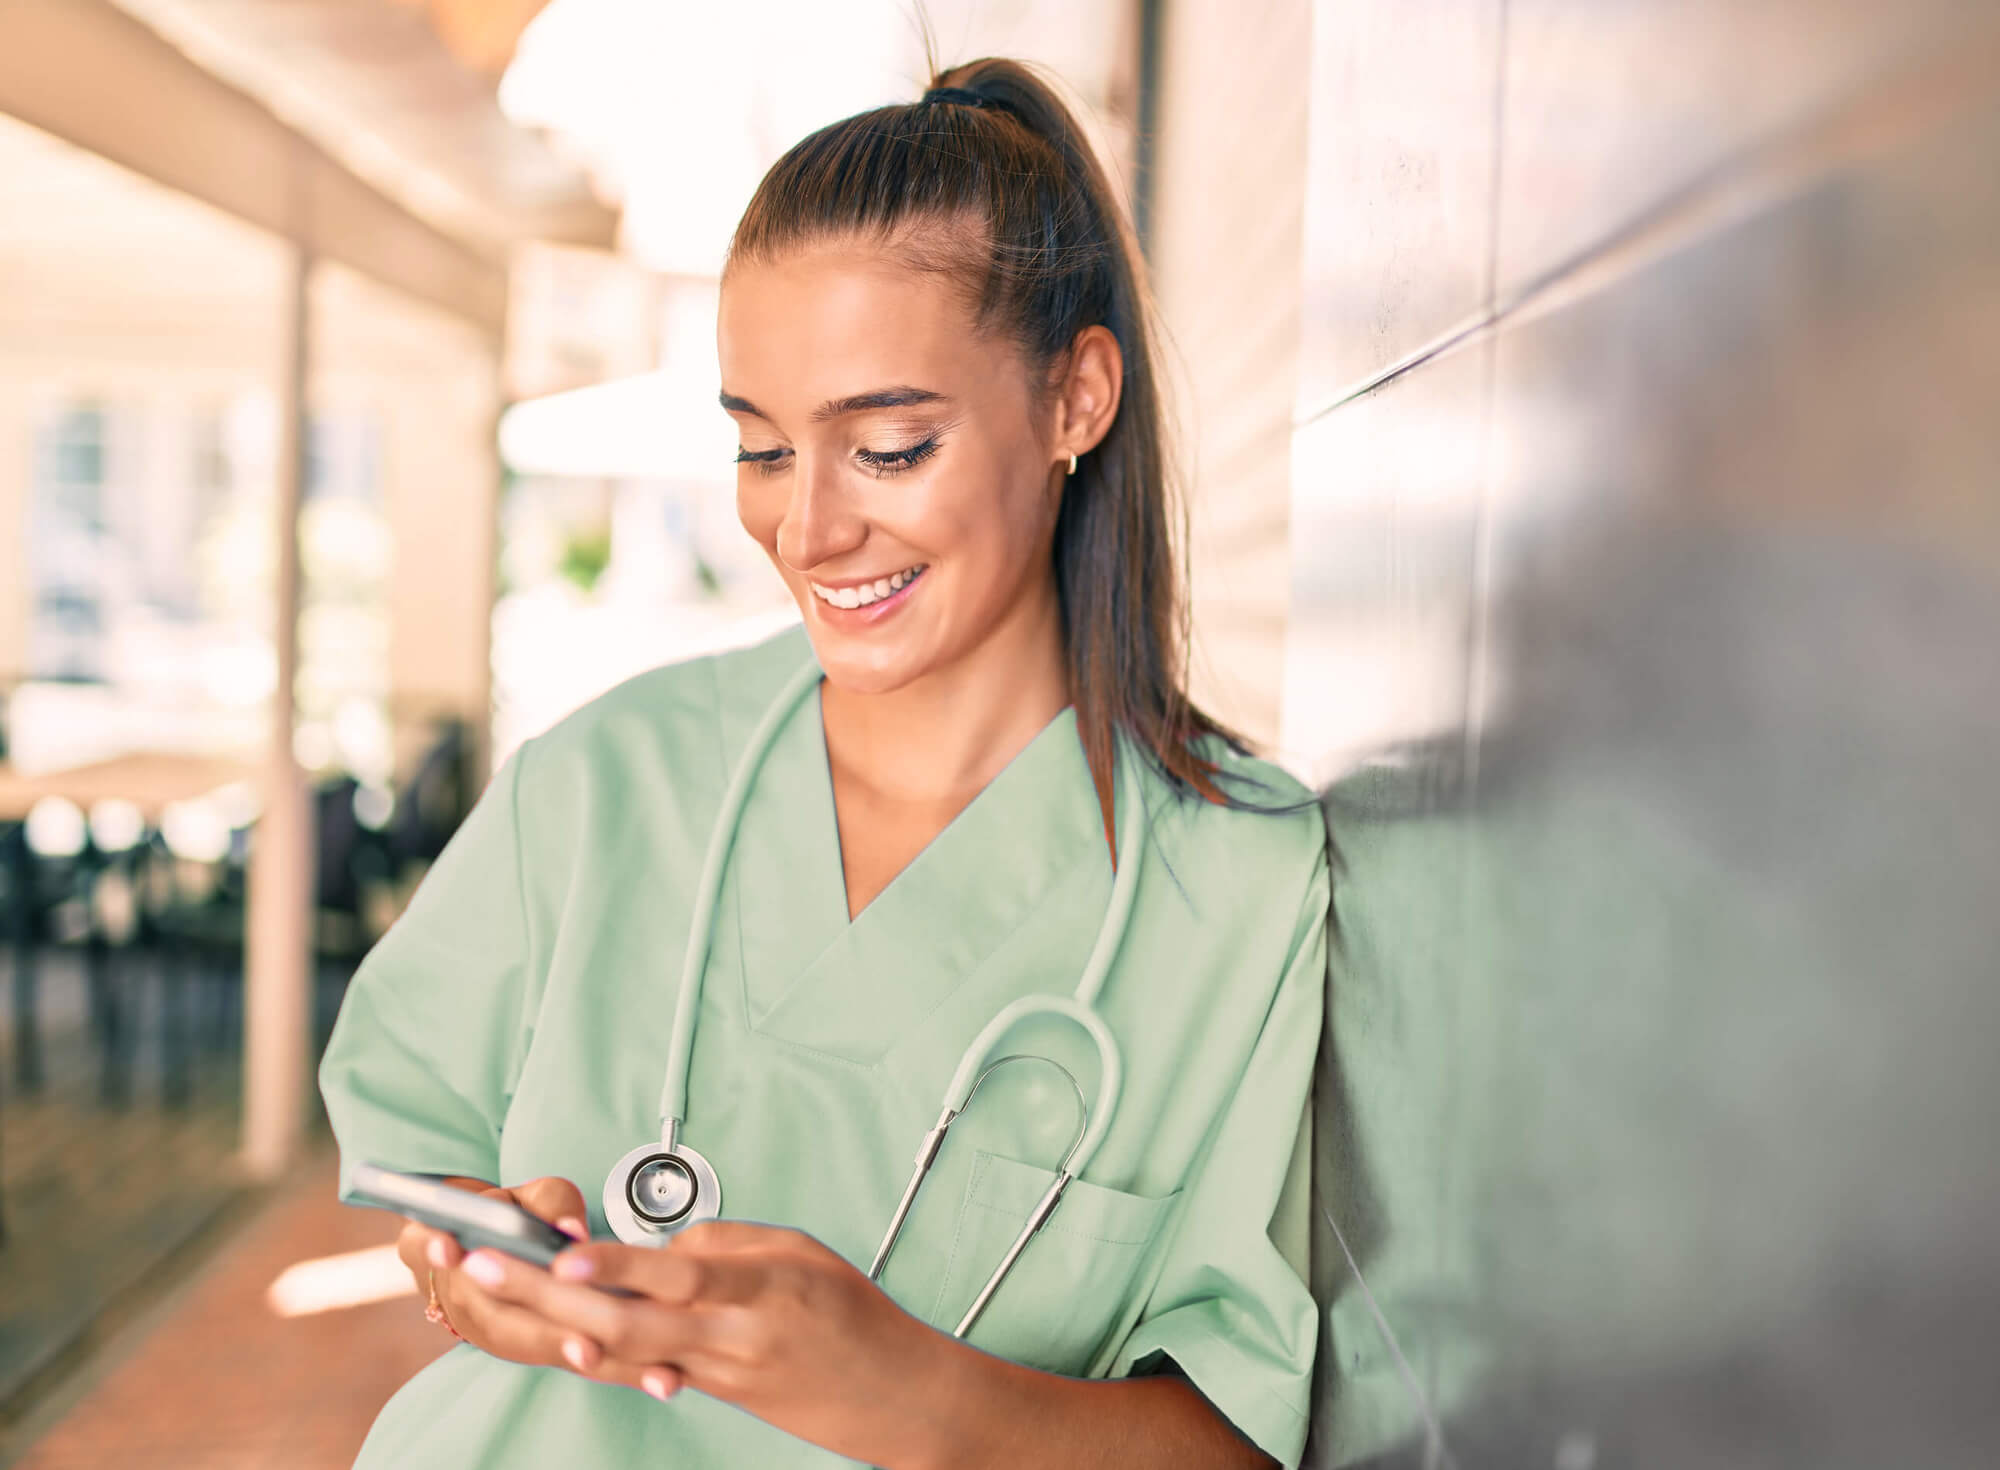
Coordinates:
(889, 842)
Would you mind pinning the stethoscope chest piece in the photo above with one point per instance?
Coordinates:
(657, 1191)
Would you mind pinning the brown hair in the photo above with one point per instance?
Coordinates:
(993, 144)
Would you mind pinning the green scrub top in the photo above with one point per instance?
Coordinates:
(514, 1023)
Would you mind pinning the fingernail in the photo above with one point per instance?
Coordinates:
(571, 1267)
(573, 1350)
(434, 1253)
(655, 1383)
(483, 1269)
(573, 1227)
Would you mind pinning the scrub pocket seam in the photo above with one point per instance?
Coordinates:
(957, 1234)
(1056, 1227)
(1119, 1223)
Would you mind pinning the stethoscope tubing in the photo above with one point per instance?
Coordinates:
(972, 1069)
(680, 1046)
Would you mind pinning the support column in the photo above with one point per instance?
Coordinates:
(443, 500)
(277, 979)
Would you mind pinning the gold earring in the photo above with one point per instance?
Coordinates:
(1072, 464)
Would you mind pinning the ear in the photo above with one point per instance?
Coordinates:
(1087, 401)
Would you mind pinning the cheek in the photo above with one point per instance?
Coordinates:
(758, 508)
(1002, 532)
(987, 517)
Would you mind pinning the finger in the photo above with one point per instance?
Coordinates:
(422, 1248)
(411, 1241)
(674, 1278)
(656, 1274)
(730, 1237)
(587, 1359)
(555, 1200)
(528, 1285)
(633, 1325)
(499, 1327)
(442, 1252)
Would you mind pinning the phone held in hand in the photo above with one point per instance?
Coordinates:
(474, 1221)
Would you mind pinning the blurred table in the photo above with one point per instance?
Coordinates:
(149, 779)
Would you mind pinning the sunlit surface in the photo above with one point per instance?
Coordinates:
(352, 1279)
(679, 109)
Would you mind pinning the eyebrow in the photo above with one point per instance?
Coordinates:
(901, 396)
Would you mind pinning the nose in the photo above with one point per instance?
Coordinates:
(819, 522)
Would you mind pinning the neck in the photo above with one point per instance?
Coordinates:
(945, 735)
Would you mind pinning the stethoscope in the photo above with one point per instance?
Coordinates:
(658, 1190)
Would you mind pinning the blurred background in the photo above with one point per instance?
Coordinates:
(1592, 422)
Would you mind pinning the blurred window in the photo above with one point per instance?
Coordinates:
(66, 550)
(69, 465)
(209, 469)
(343, 458)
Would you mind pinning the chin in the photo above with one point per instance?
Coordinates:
(853, 667)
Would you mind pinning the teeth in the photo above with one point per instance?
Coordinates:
(868, 592)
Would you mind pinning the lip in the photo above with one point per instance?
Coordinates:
(874, 612)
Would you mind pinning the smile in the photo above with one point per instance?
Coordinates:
(867, 592)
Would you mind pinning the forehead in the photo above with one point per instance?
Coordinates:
(832, 320)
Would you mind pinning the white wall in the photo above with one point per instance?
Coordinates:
(1228, 211)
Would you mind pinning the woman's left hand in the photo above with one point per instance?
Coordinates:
(765, 1317)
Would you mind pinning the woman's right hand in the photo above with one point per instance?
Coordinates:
(494, 1326)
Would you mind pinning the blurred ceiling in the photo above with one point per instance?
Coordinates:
(403, 93)
(482, 34)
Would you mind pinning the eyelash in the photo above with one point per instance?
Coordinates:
(887, 462)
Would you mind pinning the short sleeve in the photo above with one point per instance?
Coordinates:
(419, 1068)
(1230, 1304)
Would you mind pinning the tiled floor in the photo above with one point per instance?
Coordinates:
(118, 1130)
(134, 1329)
(224, 1383)
(106, 1171)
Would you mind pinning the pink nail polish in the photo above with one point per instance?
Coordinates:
(655, 1383)
(571, 1268)
(573, 1351)
(483, 1269)
(435, 1254)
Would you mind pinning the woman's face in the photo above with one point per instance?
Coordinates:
(894, 465)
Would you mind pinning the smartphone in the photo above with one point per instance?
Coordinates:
(470, 1219)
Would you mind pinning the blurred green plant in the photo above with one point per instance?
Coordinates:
(585, 555)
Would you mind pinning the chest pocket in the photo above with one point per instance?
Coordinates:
(1071, 1285)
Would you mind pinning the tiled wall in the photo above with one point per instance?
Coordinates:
(1645, 628)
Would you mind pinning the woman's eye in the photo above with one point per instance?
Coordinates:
(766, 460)
(889, 461)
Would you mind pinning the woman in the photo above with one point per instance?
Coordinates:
(932, 340)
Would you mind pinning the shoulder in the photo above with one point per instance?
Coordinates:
(689, 700)
(672, 728)
(1272, 859)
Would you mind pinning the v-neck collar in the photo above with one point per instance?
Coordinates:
(849, 988)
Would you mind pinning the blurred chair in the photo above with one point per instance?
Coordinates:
(15, 908)
(434, 800)
(353, 864)
(50, 865)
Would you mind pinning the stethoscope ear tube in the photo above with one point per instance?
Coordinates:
(927, 1153)
(1036, 1220)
